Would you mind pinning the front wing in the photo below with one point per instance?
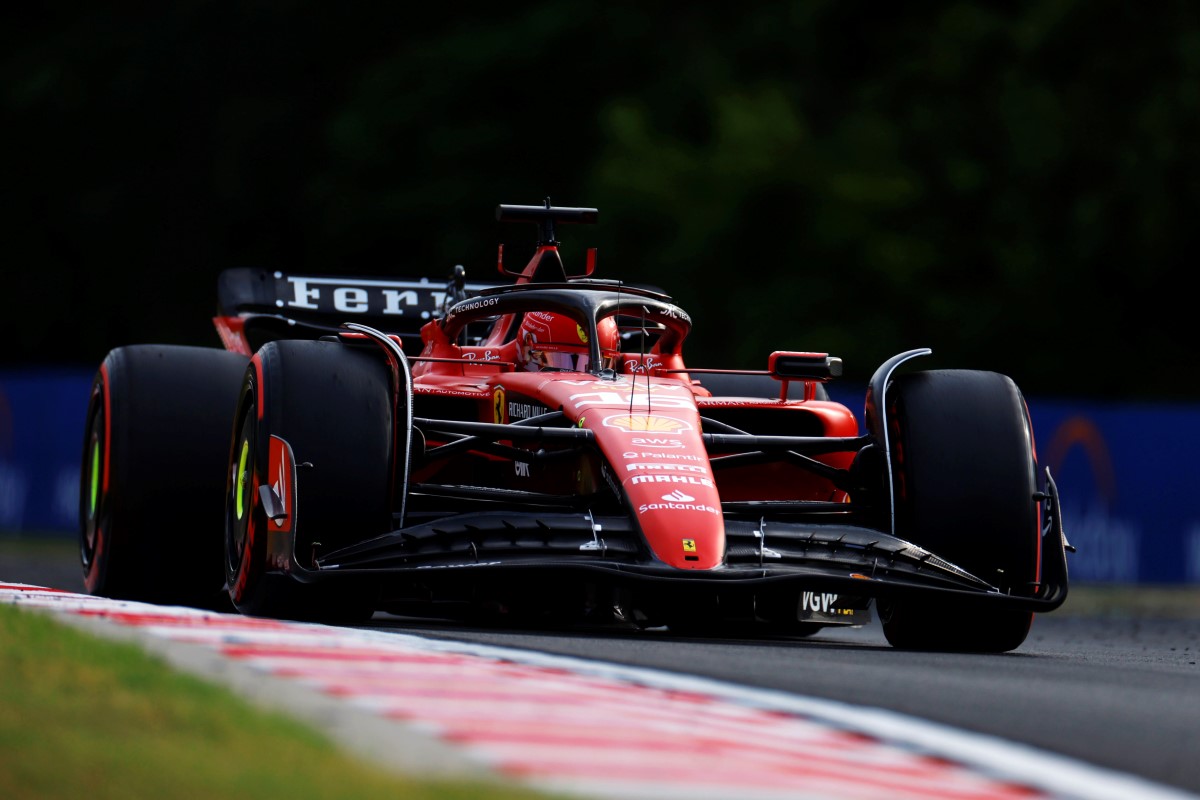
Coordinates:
(852, 560)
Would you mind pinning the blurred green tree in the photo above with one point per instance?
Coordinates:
(1011, 185)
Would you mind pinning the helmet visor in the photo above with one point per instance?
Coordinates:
(567, 360)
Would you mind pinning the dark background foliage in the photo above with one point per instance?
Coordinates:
(1014, 185)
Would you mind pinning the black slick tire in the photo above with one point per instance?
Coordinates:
(965, 479)
(333, 407)
(153, 475)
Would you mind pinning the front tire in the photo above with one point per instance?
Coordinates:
(152, 478)
(964, 481)
(328, 410)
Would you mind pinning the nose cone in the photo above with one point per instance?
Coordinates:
(680, 518)
(662, 465)
(649, 432)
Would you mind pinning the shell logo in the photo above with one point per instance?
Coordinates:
(646, 423)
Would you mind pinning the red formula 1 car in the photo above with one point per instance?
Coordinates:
(539, 452)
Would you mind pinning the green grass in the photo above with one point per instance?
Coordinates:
(87, 717)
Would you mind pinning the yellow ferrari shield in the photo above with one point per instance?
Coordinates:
(498, 407)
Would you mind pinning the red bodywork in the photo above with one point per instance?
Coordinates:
(646, 420)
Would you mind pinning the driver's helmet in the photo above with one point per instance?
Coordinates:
(556, 341)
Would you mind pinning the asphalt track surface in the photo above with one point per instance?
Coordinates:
(1119, 691)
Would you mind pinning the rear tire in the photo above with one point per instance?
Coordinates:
(152, 479)
(964, 478)
(333, 406)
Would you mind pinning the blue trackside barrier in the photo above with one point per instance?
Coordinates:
(1127, 477)
(1124, 471)
(42, 413)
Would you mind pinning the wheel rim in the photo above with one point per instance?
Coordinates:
(240, 493)
(92, 483)
(243, 546)
(94, 494)
(239, 501)
(92, 501)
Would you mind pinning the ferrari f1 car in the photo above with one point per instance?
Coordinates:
(535, 450)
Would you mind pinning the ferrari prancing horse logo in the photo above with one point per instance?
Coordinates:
(689, 545)
(498, 405)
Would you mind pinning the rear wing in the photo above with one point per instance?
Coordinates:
(255, 306)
